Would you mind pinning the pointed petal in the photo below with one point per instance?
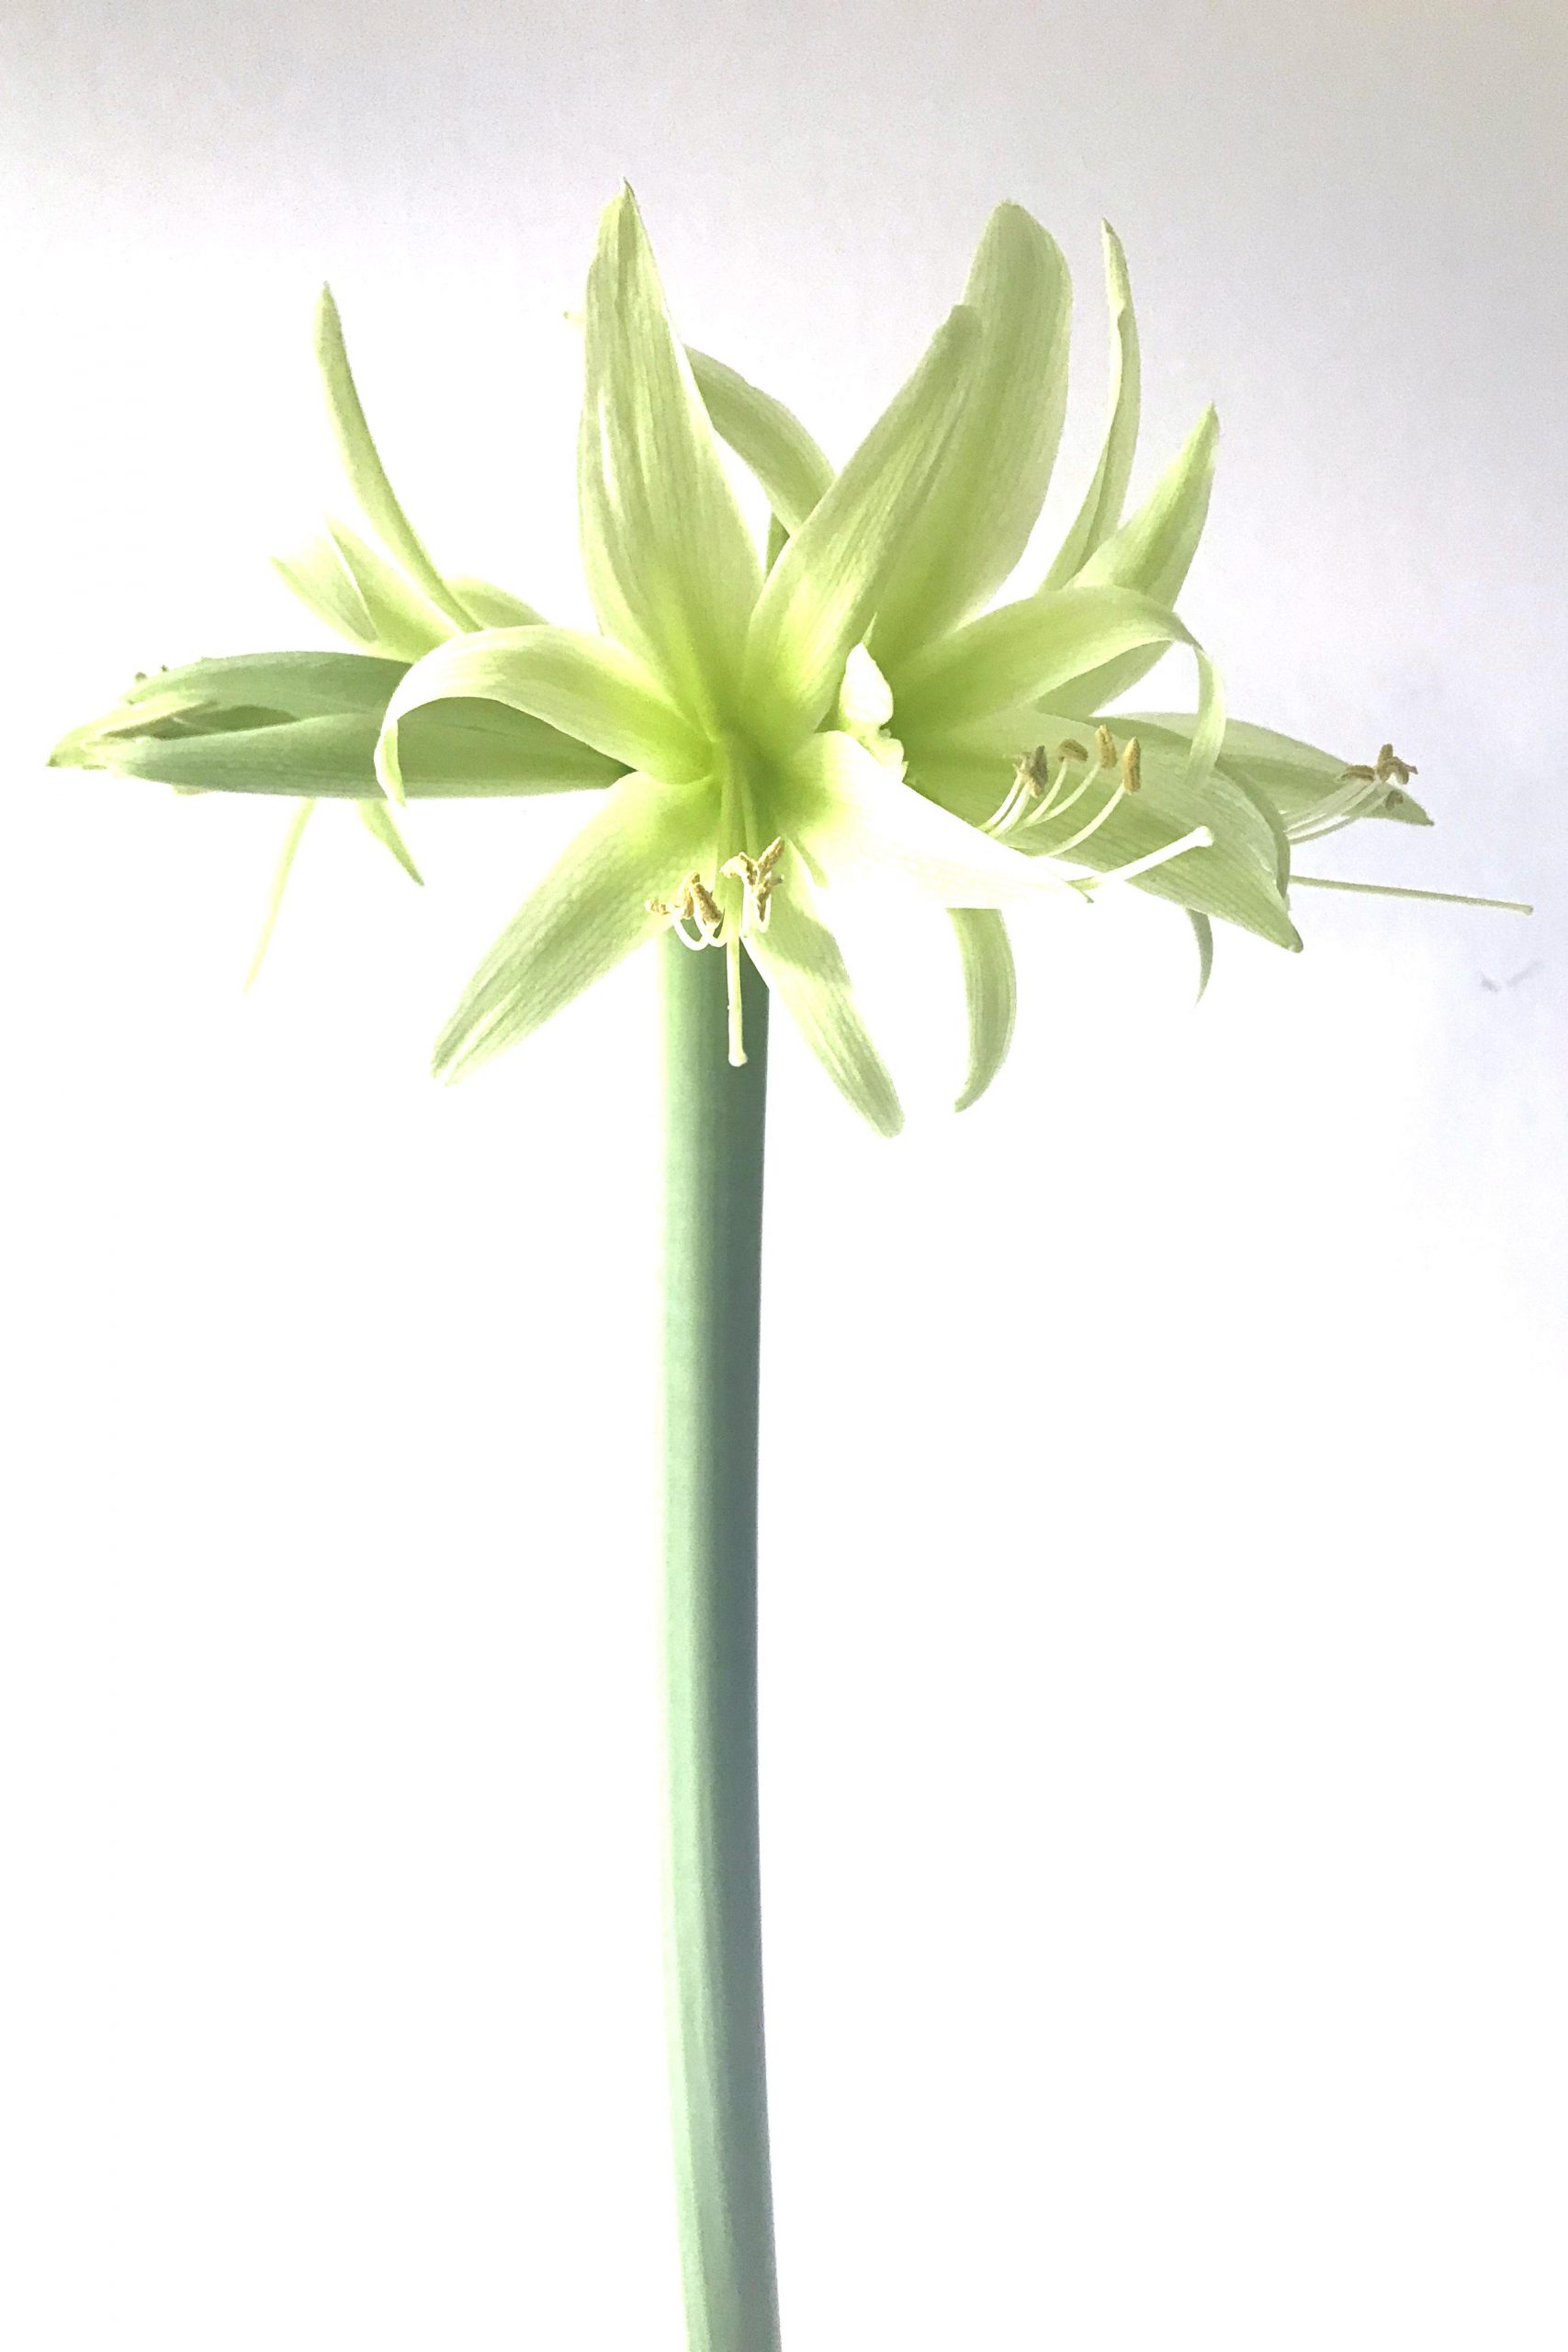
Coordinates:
(1293, 776)
(991, 991)
(297, 821)
(405, 621)
(242, 690)
(587, 913)
(853, 820)
(764, 435)
(470, 752)
(1237, 877)
(671, 565)
(367, 475)
(1101, 510)
(1027, 651)
(976, 521)
(493, 607)
(379, 821)
(800, 959)
(1203, 932)
(581, 684)
(822, 592)
(321, 579)
(1153, 552)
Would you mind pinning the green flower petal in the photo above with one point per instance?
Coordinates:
(587, 913)
(382, 826)
(1152, 553)
(800, 959)
(1296, 779)
(367, 475)
(823, 590)
(318, 575)
(464, 750)
(671, 566)
(990, 992)
(1101, 510)
(766, 437)
(854, 820)
(1238, 877)
(494, 607)
(297, 821)
(239, 690)
(581, 684)
(406, 623)
(1203, 932)
(976, 521)
(1024, 652)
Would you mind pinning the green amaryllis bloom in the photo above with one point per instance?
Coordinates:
(719, 682)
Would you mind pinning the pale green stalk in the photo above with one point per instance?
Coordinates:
(713, 1220)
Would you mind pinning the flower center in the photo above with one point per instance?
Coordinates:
(699, 920)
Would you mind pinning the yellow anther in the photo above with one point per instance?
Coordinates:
(757, 876)
(1033, 771)
(1069, 748)
(1132, 764)
(1391, 767)
(1105, 743)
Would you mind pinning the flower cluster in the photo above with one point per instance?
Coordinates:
(762, 728)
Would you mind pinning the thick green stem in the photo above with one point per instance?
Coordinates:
(713, 1911)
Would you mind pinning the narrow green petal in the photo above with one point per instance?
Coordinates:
(821, 594)
(405, 621)
(1237, 877)
(1295, 778)
(587, 913)
(854, 820)
(975, 521)
(238, 690)
(671, 567)
(1203, 932)
(367, 475)
(801, 961)
(1152, 553)
(766, 437)
(581, 684)
(318, 575)
(379, 821)
(1101, 510)
(990, 992)
(493, 607)
(297, 821)
(1024, 652)
(471, 751)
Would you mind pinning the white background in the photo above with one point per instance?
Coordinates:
(1164, 1613)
